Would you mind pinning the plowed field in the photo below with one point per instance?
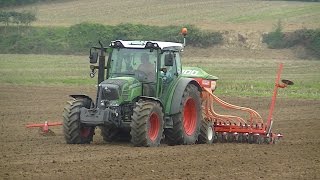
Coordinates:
(24, 154)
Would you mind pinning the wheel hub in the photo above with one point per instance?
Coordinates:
(209, 133)
(190, 117)
(154, 126)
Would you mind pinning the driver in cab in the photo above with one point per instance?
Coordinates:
(147, 67)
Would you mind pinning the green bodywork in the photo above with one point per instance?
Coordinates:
(142, 90)
(164, 84)
(133, 73)
(128, 91)
(195, 72)
(122, 60)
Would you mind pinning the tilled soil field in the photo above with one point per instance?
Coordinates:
(25, 154)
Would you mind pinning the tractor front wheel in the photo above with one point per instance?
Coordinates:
(186, 124)
(147, 124)
(74, 131)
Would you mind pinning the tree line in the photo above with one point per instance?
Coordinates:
(78, 38)
(18, 18)
(6, 3)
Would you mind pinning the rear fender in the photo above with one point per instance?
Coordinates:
(178, 92)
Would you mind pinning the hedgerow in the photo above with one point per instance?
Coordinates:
(307, 38)
(78, 38)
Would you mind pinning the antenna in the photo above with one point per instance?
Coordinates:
(184, 32)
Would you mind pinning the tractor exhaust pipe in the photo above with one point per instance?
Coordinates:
(102, 60)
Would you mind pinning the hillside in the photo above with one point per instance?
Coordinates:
(239, 15)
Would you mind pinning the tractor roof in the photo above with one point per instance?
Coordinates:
(144, 44)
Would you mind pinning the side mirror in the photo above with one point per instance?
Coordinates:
(168, 59)
(93, 57)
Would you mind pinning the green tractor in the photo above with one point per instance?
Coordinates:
(142, 95)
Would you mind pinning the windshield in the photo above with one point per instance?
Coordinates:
(139, 63)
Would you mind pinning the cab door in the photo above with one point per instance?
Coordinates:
(170, 69)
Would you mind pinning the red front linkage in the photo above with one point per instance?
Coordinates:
(44, 128)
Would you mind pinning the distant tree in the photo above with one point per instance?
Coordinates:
(5, 3)
(24, 18)
(5, 17)
(15, 17)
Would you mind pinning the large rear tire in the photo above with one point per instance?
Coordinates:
(75, 132)
(186, 124)
(147, 124)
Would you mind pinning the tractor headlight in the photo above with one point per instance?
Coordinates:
(110, 92)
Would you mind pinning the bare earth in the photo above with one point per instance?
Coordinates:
(24, 154)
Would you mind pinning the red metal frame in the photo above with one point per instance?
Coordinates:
(44, 127)
(234, 124)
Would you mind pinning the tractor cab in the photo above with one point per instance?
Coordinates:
(154, 64)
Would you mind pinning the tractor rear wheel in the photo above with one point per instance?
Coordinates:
(186, 125)
(147, 124)
(74, 131)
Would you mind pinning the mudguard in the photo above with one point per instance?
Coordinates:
(168, 123)
(178, 92)
(82, 96)
(153, 99)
